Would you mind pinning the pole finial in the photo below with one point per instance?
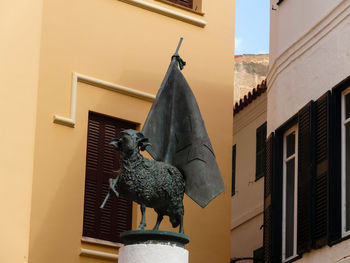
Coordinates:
(177, 57)
(178, 46)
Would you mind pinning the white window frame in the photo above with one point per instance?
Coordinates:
(285, 160)
(343, 161)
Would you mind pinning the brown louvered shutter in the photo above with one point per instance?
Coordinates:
(268, 252)
(101, 162)
(186, 3)
(305, 176)
(321, 176)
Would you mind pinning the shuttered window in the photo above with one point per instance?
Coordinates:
(185, 3)
(260, 152)
(102, 162)
(315, 185)
(233, 185)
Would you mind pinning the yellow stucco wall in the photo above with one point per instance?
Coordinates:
(126, 45)
(19, 73)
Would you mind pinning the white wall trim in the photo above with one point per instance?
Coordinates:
(255, 211)
(98, 254)
(308, 40)
(166, 12)
(71, 121)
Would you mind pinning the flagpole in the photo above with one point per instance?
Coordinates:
(178, 46)
(177, 57)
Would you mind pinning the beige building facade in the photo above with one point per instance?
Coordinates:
(62, 60)
(248, 191)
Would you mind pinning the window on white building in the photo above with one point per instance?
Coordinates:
(345, 162)
(290, 195)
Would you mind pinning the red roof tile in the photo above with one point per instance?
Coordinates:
(252, 95)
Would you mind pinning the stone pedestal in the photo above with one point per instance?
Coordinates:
(144, 246)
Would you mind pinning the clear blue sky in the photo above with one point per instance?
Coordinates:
(252, 27)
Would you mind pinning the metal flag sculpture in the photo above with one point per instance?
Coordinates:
(178, 136)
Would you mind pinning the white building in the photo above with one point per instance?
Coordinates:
(307, 183)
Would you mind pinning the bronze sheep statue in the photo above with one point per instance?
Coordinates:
(150, 183)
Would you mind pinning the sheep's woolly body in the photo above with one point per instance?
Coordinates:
(154, 184)
(150, 183)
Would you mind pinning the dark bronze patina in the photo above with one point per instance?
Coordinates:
(178, 136)
(149, 183)
(184, 159)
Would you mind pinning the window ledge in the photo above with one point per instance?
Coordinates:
(257, 178)
(182, 7)
(96, 241)
(339, 240)
(292, 259)
(98, 254)
(166, 12)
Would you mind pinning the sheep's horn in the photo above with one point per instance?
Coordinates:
(115, 142)
(143, 143)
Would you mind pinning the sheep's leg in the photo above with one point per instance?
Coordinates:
(143, 219)
(159, 219)
(181, 231)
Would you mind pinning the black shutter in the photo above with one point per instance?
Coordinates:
(273, 199)
(277, 181)
(260, 168)
(334, 205)
(233, 185)
(321, 173)
(268, 255)
(258, 255)
(101, 162)
(305, 175)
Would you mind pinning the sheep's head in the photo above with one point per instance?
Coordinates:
(130, 141)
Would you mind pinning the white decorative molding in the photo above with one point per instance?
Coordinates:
(167, 12)
(70, 122)
(308, 40)
(255, 211)
(98, 254)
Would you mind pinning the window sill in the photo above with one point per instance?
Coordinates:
(292, 259)
(341, 239)
(181, 7)
(258, 178)
(91, 253)
(101, 242)
(166, 12)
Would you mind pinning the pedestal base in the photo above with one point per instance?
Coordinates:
(147, 246)
(152, 253)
